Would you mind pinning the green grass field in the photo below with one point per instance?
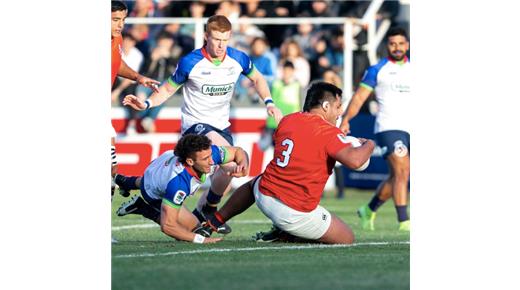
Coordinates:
(145, 258)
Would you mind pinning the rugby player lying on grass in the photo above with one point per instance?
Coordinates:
(174, 176)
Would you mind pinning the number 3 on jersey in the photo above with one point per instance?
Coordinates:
(286, 153)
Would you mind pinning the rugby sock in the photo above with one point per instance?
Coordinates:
(375, 203)
(213, 198)
(402, 215)
(198, 215)
(126, 182)
(216, 220)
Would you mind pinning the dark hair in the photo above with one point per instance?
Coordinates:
(288, 63)
(219, 23)
(396, 31)
(164, 35)
(190, 144)
(118, 6)
(320, 92)
(126, 35)
(258, 38)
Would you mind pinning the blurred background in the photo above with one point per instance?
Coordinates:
(292, 43)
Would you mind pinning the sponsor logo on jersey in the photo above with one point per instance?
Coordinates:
(217, 90)
(324, 217)
(179, 197)
(199, 128)
(206, 73)
(383, 150)
(231, 71)
(400, 149)
(402, 88)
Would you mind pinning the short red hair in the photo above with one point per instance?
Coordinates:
(219, 23)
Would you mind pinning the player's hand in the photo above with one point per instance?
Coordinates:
(240, 170)
(149, 83)
(345, 126)
(275, 112)
(134, 102)
(212, 240)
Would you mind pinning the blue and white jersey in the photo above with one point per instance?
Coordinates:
(208, 86)
(168, 179)
(391, 81)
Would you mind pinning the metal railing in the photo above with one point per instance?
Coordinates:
(351, 27)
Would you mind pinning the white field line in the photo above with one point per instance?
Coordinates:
(317, 246)
(150, 225)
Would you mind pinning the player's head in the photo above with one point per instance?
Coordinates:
(195, 151)
(397, 43)
(119, 12)
(324, 99)
(218, 33)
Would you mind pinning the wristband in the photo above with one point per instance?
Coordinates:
(268, 101)
(198, 239)
(148, 104)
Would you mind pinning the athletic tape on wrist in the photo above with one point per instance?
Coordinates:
(198, 239)
(268, 101)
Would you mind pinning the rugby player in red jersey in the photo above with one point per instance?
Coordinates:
(120, 68)
(307, 145)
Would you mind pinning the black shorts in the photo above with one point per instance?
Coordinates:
(203, 129)
(394, 141)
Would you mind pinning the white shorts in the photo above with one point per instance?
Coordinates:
(308, 225)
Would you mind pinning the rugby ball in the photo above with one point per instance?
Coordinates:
(356, 143)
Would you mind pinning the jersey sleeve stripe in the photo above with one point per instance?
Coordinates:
(253, 70)
(171, 204)
(366, 86)
(226, 155)
(173, 84)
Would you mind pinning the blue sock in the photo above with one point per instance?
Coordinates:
(375, 203)
(402, 215)
(126, 182)
(213, 198)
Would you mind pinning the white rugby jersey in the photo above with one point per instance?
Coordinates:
(208, 86)
(391, 81)
(168, 179)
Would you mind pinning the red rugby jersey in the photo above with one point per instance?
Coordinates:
(305, 146)
(116, 56)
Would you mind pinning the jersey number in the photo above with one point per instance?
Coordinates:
(286, 153)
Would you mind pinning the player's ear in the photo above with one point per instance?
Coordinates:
(190, 161)
(325, 105)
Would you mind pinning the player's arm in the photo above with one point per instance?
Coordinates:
(359, 98)
(262, 88)
(165, 91)
(127, 72)
(355, 157)
(170, 226)
(240, 157)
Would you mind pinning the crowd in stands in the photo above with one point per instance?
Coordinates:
(315, 51)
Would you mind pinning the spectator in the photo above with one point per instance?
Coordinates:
(291, 51)
(335, 51)
(287, 93)
(276, 33)
(160, 66)
(261, 60)
(145, 8)
(318, 60)
(306, 38)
